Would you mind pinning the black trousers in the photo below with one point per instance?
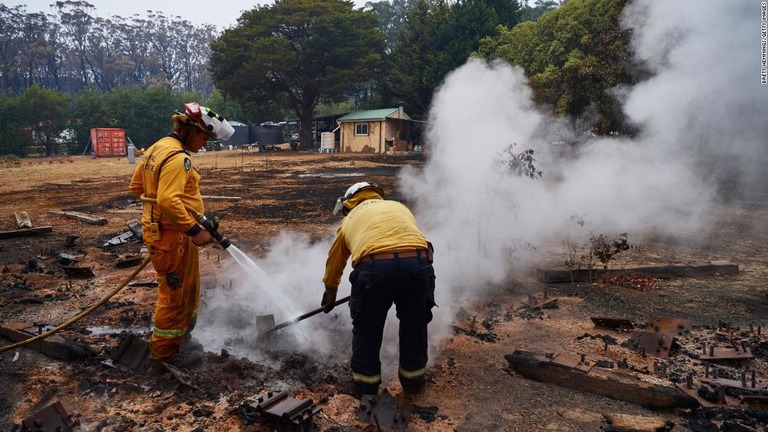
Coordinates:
(409, 283)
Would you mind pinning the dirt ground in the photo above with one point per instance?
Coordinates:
(471, 387)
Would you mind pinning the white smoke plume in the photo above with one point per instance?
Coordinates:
(701, 117)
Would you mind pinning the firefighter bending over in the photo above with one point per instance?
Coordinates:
(171, 234)
(392, 263)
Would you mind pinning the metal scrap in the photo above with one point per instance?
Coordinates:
(181, 376)
(614, 323)
(383, 411)
(126, 237)
(570, 360)
(78, 271)
(53, 418)
(134, 225)
(280, 407)
(713, 353)
(131, 354)
(651, 343)
(676, 326)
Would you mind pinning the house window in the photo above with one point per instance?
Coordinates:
(361, 128)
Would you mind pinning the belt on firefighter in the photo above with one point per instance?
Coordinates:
(396, 255)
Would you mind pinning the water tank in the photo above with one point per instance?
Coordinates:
(240, 136)
(267, 134)
(327, 142)
(131, 153)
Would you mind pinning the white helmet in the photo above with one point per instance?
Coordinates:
(355, 188)
(216, 126)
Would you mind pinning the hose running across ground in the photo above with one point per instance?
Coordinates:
(80, 315)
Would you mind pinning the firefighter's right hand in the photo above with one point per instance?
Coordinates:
(329, 298)
(202, 238)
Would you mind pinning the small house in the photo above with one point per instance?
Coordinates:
(375, 131)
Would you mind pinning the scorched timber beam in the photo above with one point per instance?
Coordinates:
(221, 198)
(667, 271)
(25, 232)
(54, 346)
(82, 217)
(612, 385)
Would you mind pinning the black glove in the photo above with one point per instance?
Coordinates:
(329, 298)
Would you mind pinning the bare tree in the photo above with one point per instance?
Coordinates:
(10, 43)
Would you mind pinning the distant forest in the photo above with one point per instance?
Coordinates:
(67, 71)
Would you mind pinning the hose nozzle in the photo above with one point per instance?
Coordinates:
(212, 226)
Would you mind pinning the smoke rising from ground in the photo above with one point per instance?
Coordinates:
(701, 117)
(702, 137)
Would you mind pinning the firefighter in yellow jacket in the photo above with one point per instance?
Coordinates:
(392, 263)
(171, 234)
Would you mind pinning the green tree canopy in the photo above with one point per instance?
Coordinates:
(573, 57)
(436, 38)
(298, 53)
(44, 112)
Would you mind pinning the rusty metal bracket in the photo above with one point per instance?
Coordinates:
(53, 418)
(131, 354)
(675, 326)
(713, 353)
(655, 344)
(743, 385)
(280, 407)
(569, 360)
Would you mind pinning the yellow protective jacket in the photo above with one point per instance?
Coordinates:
(166, 174)
(373, 226)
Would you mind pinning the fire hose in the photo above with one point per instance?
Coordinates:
(80, 315)
(210, 224)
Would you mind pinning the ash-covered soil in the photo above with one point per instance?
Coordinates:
(471, 387)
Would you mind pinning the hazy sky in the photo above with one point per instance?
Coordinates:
(199, 12)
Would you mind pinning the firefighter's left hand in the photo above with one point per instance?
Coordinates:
(202, 238)
(329, 297)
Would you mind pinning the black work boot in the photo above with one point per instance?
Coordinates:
(360, 389)
(156, 368)
(187, 360)
(413, 389)
(190, 344)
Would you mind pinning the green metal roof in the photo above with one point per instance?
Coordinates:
(379, 114)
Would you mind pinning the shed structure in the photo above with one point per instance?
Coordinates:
(375, 131)
(108, 142)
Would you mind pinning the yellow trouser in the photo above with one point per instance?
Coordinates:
(175, 259)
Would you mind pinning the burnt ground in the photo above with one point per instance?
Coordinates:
(471, 387)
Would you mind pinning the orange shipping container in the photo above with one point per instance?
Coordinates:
(108, 141)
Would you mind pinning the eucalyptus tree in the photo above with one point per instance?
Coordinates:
(76, 22)
(391, 15)
(297, 53)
